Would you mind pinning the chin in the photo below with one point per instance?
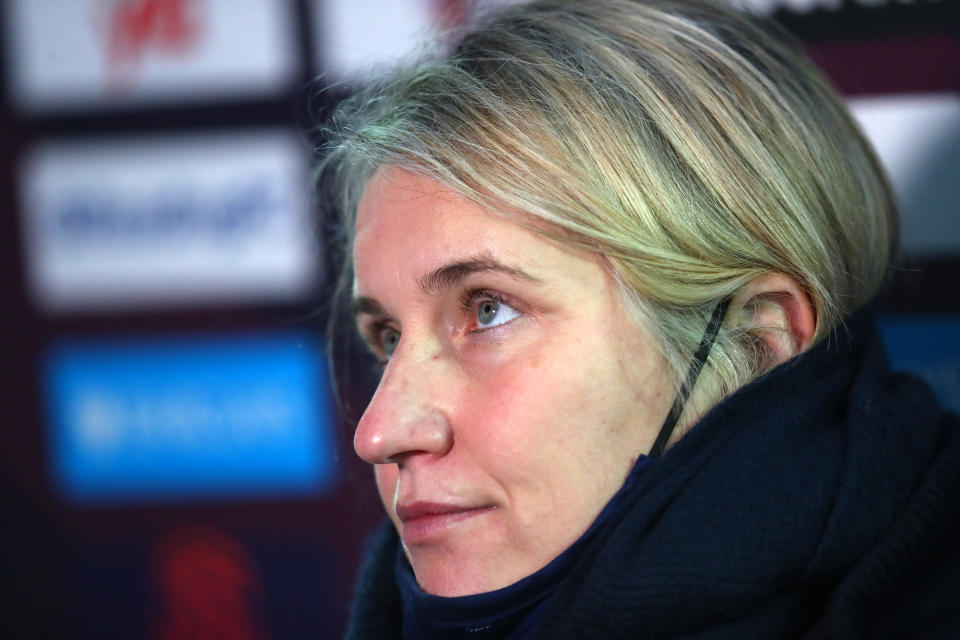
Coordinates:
(453, 586)
(452, 579)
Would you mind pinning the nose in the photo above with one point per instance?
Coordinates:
(404, 416)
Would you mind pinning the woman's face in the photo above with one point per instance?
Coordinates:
(517, 391)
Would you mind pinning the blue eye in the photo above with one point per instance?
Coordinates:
(389, 339)
(493, 313)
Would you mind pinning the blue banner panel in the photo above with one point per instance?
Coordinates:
(928, 346)
(190, 418)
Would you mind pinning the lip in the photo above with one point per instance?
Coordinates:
(424, 521)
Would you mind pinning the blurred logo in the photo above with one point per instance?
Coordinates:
(78, 54)
(179, 210)
(183, 419)
(207, 586)
(161, 27)
(160, 221)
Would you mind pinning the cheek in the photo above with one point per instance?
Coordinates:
(557, 438)
(523, 412)
(386, 476)
(569, 400)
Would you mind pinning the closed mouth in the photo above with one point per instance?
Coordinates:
(423, 521)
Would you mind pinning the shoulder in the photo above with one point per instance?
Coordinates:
(907, 584)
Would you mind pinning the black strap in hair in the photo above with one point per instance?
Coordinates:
(699, 359)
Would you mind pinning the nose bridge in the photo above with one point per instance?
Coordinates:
(405, 415)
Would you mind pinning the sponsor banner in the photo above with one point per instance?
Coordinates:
(189, 418)
(159, 221)
(90, 54)
(927, 346)
(356, 36)
(918, 140)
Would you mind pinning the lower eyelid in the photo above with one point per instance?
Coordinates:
(480, 330)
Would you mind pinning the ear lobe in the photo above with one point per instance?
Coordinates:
(778, 312)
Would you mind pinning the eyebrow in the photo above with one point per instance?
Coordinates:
(450, 275)
(445, 277)
(363, 305)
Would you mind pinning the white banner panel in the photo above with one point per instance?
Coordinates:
(69, 54)
(168, 220)
(918, 140)
(355, 36)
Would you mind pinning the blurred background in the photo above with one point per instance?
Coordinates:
(173, 462)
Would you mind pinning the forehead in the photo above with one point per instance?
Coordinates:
(412, 224)
(397, 200)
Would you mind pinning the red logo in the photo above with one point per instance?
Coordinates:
(207, 587)
(159, 28)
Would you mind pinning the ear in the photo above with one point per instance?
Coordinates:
(779, 313)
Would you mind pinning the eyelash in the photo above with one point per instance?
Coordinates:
(374, 332)
(470, 298)
(468, 305)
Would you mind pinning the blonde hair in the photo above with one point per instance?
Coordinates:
(686, 142)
